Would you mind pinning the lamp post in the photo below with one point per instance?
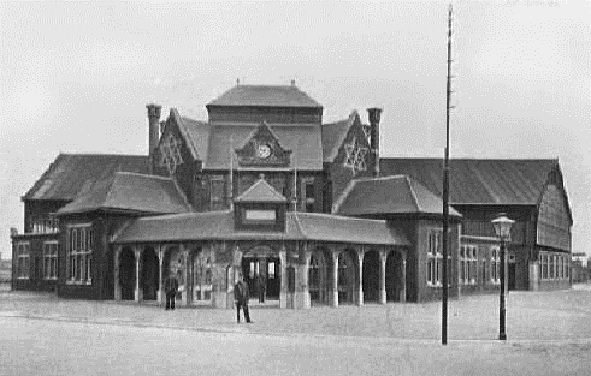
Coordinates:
(502, 227)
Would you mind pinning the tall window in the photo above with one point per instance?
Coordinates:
(80, 247)
(469, 264)
(307, 195)
(50, 249)
(544, 267)
(435, 260)
(495, 265)
(23, 251)
(552, 268)
(217, 189)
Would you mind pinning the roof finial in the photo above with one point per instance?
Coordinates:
(262, 176)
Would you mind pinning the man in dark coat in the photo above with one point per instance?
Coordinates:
(171, 287)
(241, 296)
(262, 288)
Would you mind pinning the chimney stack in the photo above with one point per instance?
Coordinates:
(153, 133)
(374, 124)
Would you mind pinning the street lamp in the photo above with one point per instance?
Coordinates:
(503, 227)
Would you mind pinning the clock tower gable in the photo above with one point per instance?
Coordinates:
(263, 150)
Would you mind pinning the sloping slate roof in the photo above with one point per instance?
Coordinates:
(198, 134)
(398, 194)
(265, 95)
(220, 226)
(333, 135)
(66, 176)
(478, 181)
(130, 191)
(261, 191)
(303, 140)
(333, 228)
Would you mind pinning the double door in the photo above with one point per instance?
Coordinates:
(268, 267)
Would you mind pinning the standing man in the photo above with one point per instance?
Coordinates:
(241, 297)
(262, 288)
(171, 286)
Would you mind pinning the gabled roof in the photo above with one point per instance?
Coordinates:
(194, 132)
(333, 135)
(398, 194)
(478, 181)
(124, 191)
(298, 226)
(68, 173)
(261, 191)
(265, 96)
(304, 141)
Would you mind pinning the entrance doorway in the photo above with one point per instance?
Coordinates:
(150, 270)
(127, 274)
(371, 277)
(394, 280)
(253, 267)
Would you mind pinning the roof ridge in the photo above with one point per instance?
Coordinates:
(143, 175)
(109, 190)
(51, 167)
(340, 216)
(181, 125)
(103, 155)
(261, 180)
(343, 196)
(413, 193)
(350, 121)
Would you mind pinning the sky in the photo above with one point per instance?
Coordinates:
(76, 77)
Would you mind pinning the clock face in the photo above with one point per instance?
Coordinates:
(264, 151)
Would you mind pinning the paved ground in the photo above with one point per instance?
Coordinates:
(530, 316)
(549, 334)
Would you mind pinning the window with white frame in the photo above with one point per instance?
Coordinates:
(468, 264)
(434, 267)
(79, 255)
(23, 251)
(50, 249)
(552, 267)
(545, 267)
(495, 265)
(560, 268)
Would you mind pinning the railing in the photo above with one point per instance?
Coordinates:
(47, 225)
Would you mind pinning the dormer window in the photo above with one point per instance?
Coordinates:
(260, 208)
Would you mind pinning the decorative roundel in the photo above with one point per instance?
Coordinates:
(264, 151)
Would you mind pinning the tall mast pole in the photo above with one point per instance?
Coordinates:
(445, 276)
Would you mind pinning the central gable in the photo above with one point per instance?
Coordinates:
(263, 150)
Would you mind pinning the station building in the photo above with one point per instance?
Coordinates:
(264, 187)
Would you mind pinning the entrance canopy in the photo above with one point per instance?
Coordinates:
(299, 226)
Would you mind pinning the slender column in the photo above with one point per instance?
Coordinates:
(161, 270)
(383, 256)
(185, 253)
(117, 257)
(360, 255)
(138, 273)
(334, 288)
(304, 283)
(403, 292)
(283, 279)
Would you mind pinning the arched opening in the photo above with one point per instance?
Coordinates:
(371, 277)
(394, 281)
(174, 263)
(346, 277)
(318, 278)
(150, 269)
(127, 275)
